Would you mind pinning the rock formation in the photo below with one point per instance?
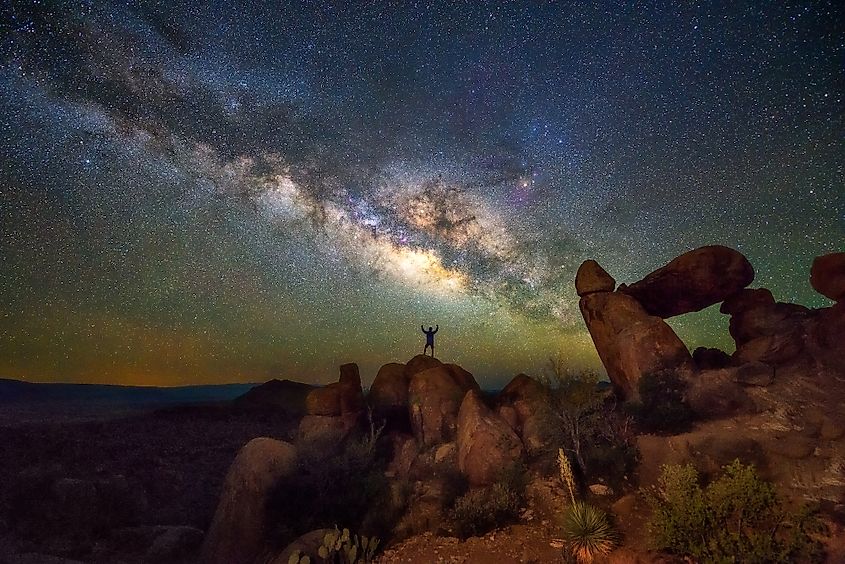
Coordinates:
(827, 276)
(238, 530)
(523, 406)
(333, 410)
(629, 341)
(434, 398)
(486, 443)
(692, 281)
(390, 387)
(591, 277)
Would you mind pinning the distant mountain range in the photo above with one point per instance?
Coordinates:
(17, 391)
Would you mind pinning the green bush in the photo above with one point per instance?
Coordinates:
(481, 510)
(736, 518)
(588, 532)
(663, 407)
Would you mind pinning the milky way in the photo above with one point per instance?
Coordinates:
(231, 193)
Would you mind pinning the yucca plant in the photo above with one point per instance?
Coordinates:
(588, 532)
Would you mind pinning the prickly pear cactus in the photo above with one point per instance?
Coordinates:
(341, 547)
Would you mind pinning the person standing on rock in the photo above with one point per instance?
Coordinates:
(429, 338)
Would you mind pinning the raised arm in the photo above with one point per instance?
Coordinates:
(436, 328)
(423, 328)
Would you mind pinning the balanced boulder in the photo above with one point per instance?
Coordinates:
(486, 443)
(238, 532)
(827, 276)
(629, 341)
(692, 281)
(591, 277)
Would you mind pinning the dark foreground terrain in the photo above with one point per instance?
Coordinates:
(97, 473)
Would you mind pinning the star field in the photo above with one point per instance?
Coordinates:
(214, 193)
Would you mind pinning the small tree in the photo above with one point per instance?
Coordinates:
(574, 403)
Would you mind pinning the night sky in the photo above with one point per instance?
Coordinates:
(199, 192)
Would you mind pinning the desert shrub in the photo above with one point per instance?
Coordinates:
(736, 518)
(347, 488)
(663, 407)
(480, 510)
(588, 532)
(484, 509)
(581, 417)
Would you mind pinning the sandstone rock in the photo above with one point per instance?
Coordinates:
(174, 543)
(745, 299)
(792, 445)
(326, 431)
(710, 359)
(462, 378)
(647, 347)
(771, 349)
(341, 397)
(715, 394)
(486, 443)
(509, 414)
(600, 490)
(826, 337)
(591, 277)
(390, 387)
(692, 281)
(827, 276)
(754, 374)
(433, 402)
(323, 401)
(767, 320)
(405, 452)
(419, 363)
(351, 395)
(237, 532)
(630, 342)
(445, 453)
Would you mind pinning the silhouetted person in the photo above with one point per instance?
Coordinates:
(429, 338)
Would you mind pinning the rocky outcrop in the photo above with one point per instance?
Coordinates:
(419, 363)
(486, 443)
(338, 398)
(692, 281)
(434, 398)
(709, 359)
(591, 277)
(334, 410)
(629, 341)
(390, 387)
(827, 276)
(238, 531)
(522, 404)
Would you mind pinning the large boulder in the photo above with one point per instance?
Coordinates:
(434, 398)
(390, 387)
(326, 432)
(591, 277)
(523, 405)
(238, 531)
(419, 363)
(338, 398)
(629, 341)
(462, 378)
(486, 443)
(692, 281)
(827, 276)
(709, 358)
